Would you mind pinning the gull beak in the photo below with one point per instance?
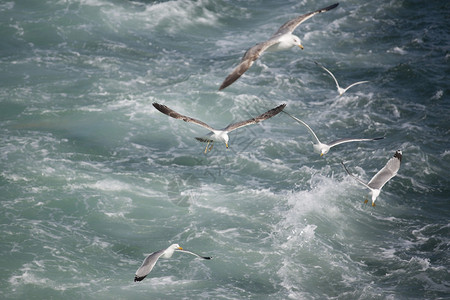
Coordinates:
(226, 144)
(179, 248)
(301, 47)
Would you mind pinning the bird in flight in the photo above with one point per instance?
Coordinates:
(384, 175)
(340, 90)
(150, 261)
(218, 134)
(283, 39)
(323, 148)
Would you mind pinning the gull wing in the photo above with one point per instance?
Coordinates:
(353, 84)
(192, 253)
(329, 72)
(268, 114)
(147, 265)
(317, 141)
(387, 172)
(255, 52)
(359, 180)
(204, 140)
(290, 26)
(349, 140)
(247, 60)
(171, 113)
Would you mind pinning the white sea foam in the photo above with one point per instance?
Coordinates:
(438, 95)
(27, 277)
(398, 50)
(170, 16)
(6, 6)
(32, 275)
(111, 185)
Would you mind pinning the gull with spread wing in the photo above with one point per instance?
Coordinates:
(340, 90)
(218, 134)
(323, 148)
(384, 175)
(283, 39)
(150, 261)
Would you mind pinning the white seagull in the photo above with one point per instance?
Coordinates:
(340, 90)
(323, 148)
(384, 175)
(218, 134)
(151, 259)
(283, 39)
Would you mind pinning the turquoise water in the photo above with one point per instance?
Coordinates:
(92, 177)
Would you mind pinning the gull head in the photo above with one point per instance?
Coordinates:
(297, 41)
(320, 148)
(224, 138)
(341, 91)
(169, 251)
(285, 42)
(221, 136)
(375, 194)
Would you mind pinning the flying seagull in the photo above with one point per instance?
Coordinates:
(384, 175)
(218, 134)
(323, 148)
(283, 39)
(340, 90)
(151, 259)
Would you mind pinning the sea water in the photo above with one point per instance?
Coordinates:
(93, 178)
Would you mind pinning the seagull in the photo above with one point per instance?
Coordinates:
(323, 148)
(384, 175)
(217, 134)
(340, 90)
(151, 259)
(283, 39)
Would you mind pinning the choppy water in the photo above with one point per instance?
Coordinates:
(92, 177)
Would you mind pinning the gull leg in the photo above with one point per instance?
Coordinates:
(373, 204)
(207, 147)
(365, 201)
(212, 144)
